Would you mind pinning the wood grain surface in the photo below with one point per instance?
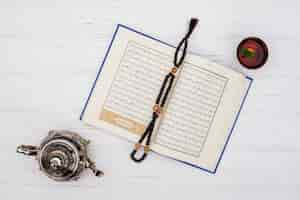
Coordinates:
(50, 52)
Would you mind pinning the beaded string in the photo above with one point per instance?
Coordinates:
(163, 95)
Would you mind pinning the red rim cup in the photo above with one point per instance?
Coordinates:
(252, 52)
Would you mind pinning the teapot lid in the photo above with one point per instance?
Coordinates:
(59, 159)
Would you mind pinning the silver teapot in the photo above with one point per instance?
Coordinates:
(62, 155)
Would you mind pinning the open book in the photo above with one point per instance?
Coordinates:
(199, 116)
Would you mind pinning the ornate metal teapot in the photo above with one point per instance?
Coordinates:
(62, 155)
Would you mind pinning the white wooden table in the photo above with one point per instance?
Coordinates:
(49, 55)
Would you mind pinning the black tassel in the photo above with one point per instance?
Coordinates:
(184, 42)
(162, 96)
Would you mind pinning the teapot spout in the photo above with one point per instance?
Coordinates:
(28, 150)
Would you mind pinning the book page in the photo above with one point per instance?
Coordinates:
(136, 84)
(192, 110)
(131, 77)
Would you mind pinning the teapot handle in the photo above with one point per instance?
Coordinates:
(91, 165)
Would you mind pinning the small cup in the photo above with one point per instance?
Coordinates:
(252, 52)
